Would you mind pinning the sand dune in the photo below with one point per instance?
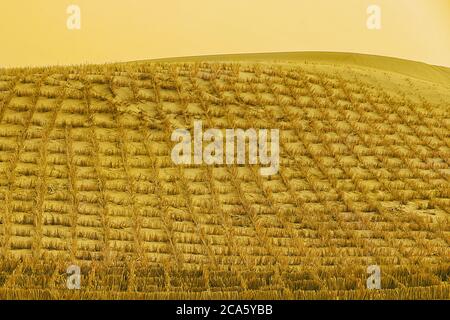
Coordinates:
(86, 179)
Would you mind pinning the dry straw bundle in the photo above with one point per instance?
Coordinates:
(86, 178)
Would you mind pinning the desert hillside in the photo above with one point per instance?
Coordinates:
(87, 179)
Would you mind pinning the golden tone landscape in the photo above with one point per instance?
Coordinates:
(87, 179)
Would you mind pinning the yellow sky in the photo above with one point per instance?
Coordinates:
(34, 32)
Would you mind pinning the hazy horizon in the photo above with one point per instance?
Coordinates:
(35, 33)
